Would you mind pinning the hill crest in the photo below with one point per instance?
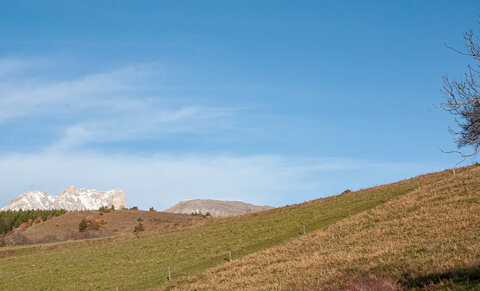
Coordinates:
(214, 207)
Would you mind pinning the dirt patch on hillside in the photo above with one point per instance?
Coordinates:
(99, 224)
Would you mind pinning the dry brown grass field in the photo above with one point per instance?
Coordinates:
(428, 238)
(113, 223)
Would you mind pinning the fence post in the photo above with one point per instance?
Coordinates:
(304, 231)
(229, 254)
(169, 275)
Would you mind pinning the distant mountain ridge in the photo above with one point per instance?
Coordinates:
(71, 199)
(215, 207)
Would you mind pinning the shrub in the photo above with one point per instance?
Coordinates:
(201, 215)
(151, 209)
(139, 228)
(37, 220)
(105, 209)
(346, 191)
(134, 208)
(139, 219)
(83, 225)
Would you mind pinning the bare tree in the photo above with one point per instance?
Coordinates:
(462, 99)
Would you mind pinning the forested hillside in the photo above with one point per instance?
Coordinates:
(13, 219)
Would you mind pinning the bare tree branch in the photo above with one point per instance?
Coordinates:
(462, 99)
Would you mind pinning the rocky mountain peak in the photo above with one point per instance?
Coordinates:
(71, 199)
(215, 207)
(69, 190)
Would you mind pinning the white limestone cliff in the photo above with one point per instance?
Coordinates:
(70, 199)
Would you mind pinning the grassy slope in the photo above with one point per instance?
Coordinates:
(142, 262)
(428, 238)
(65, 227)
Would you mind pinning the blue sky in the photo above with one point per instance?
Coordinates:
(269, 102)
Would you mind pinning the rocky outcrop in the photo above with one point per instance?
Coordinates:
(70, 199)
(215, 207)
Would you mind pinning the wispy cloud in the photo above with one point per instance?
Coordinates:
(138, 124)
(127, 103)
(108, 91)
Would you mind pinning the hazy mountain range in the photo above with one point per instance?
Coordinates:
(74, 199)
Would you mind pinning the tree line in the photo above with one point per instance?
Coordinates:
(10, 219)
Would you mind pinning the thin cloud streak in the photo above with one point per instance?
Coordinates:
(139, 124)
(105, 91)
(122, 105)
